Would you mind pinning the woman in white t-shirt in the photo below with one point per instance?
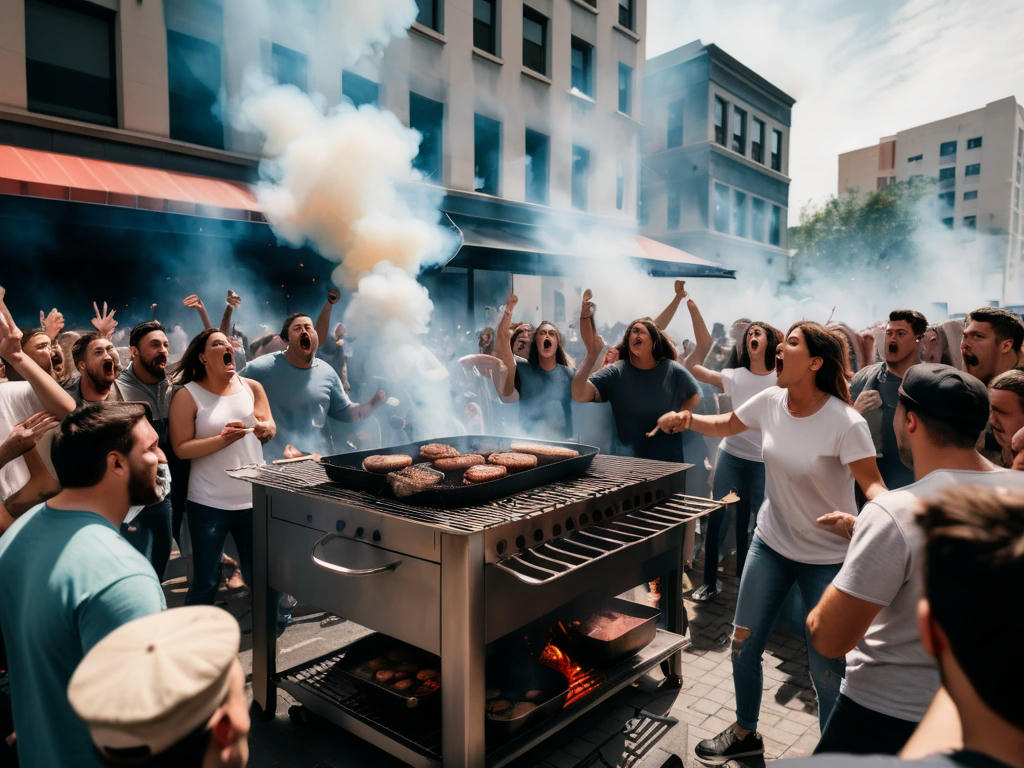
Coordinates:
(217, 421)
(814, 446)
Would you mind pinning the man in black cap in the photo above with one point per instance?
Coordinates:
(869, 612)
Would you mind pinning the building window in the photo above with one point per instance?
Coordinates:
(1020, 141)
(580, 177)
(775, 228)
(625, 89)
(484, 22)
(289, 67)
(535, 40)
(537, 164)
(427, 117)
(757, 141)
(486, 155)
(974, 143)
(582, 66)
(739, 130)
(948, 222)
(1020, 166)
(359, 90)
(974, 169)
(947, 148)
(193, 88)
(721, 111)
(427, 15)
(758, 218)
(947, 199)
(73, 78)
(674, 208)
(626, 13)
(884, 181)
(1016, 198)
(674, 137)
(721, 208)
(971, 194)
(776, 150)
(620, 184)
(643, 211)
(915, 158)
(947, 174)
(970, 222)
(739, 213)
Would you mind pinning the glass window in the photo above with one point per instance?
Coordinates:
(643, 212)
(625, 89)
(74, 78)
(537, 164)
(486, 155)
(739, 130)
(775, 229)
(535, 40)
(971, 222)
(289, 67)
(427, 15)
(757, 141)
(1020, 165)
(947, 148)
(974, 169)
(484, 37)
(758, 218)
(580, 177)
(674, 137)
(947, 199)
(776, 150)
(582, 65)
(1016, 198)
(948, 222)
(359, 90)
(945, 174)
(974, 143)
(721, 112)
(427, 117)
(620, 184)
(971, 194)
(626, 13)
(193, 90)
(721, 208)
(1020, 141)
(739, 213)
(674, 207)
(914, 158)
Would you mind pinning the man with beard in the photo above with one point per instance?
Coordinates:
(38, 347)
(874, 391)
(1006, 396)
(303, 391)
(68, 578)
(145, 381)
(869, 612)
(93, 356)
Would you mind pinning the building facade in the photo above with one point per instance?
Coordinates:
(716, 160)
(527, 108)
(977, 160)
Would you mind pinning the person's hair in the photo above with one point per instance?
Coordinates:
(774, 339)
(488, 347)
(561, 356)
(1005, 324)
(189, 367)
(81, 346)
(974, 582)
(187, 751)
(829, 346)
(1011, 381)
(289, 320)
(87, 435)
(28, 333)
(661, 347)
(917, 322)
(140, 331)
(941, 432)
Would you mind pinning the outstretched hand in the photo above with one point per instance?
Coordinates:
(839, 523)
(52, 323)
(680, 287)
(672, 422)
(193, 302)
(104, 321)
(10, 333)
(233, 300)
(378, 397)
(26, 434)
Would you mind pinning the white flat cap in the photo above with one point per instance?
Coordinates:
(154, 680)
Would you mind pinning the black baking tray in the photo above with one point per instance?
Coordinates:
(347, 469)
(514, 677)
(600, 652)
(357, 655)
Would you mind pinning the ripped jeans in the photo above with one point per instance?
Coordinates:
(767, 578)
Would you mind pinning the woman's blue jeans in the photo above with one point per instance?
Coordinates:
(767, 578)
(209, 527)
(747, 479)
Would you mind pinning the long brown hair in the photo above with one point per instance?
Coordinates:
(826, 344)
(774, 339)
(561, 356)
(661, 347)
(189, 368)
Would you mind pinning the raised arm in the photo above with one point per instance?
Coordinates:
(669, 312)
(231, 304)
(323, 320)
(41, 485)
(52, 396)
(194, 302)
(583, 390)
(506, 386)
(694, 361)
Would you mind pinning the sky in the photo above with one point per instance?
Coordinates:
(858, 69)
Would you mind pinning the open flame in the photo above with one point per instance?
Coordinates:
(581, 681)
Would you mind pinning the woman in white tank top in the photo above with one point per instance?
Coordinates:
(218, 421)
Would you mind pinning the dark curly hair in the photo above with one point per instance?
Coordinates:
(661, 347)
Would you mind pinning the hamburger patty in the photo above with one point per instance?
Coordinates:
(458, 462)
(413, 480)
(544, 451)
(432, 451)
(481, 473)
(384, 463)
(513, 462)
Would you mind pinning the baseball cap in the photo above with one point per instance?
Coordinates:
(154, 680)
(947, 394)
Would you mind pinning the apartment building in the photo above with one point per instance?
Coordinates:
(716, 160)
(977, 160)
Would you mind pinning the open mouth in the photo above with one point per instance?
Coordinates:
(754, 344)
(160, 361)
(108, 367)
(778, 364)
(893, 349)
(547, 344)
(305, 342)
(229, 359)
(970, 359)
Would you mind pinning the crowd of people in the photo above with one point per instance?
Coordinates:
(841, 446)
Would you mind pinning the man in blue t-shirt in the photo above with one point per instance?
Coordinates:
(303, 391)
(68, 577)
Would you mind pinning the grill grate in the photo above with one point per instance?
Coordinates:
(606, 475)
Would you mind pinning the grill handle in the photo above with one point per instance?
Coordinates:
(335, 568)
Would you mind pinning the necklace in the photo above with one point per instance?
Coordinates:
(813, 407)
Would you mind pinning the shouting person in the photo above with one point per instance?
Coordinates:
(94, 361)
(991, 343)
(1006, 395)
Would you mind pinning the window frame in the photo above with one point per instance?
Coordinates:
(587, 52)
(425, 137)
(435, 11)
(776, 156)
(720, 130)
(755, 123)
(534, 16)
(628, 71)
(580, 190)
(944, 148)
(725, 211)
(545, 198)
(739, 120)
(945, 174)
(974, 143)
(492, 28)
(629, 21)
(478, 121)
(972, 169)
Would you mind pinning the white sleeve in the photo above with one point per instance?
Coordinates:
(855, 442)
(877, 563)
(728, 381)
(752, 412)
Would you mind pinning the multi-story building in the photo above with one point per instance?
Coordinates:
(716, 160)
(528, 110)
(977, 159)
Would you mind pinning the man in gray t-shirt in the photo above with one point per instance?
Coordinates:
(869, 612)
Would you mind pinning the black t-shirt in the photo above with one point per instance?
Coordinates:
(894, 472)
(545, 400)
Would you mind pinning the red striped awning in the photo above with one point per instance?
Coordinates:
(35, 173)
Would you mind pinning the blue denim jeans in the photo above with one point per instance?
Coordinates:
(150, 533)
(767, 579)
(209, 527)
(747, 479)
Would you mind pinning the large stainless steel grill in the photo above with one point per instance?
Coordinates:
(452, 581)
